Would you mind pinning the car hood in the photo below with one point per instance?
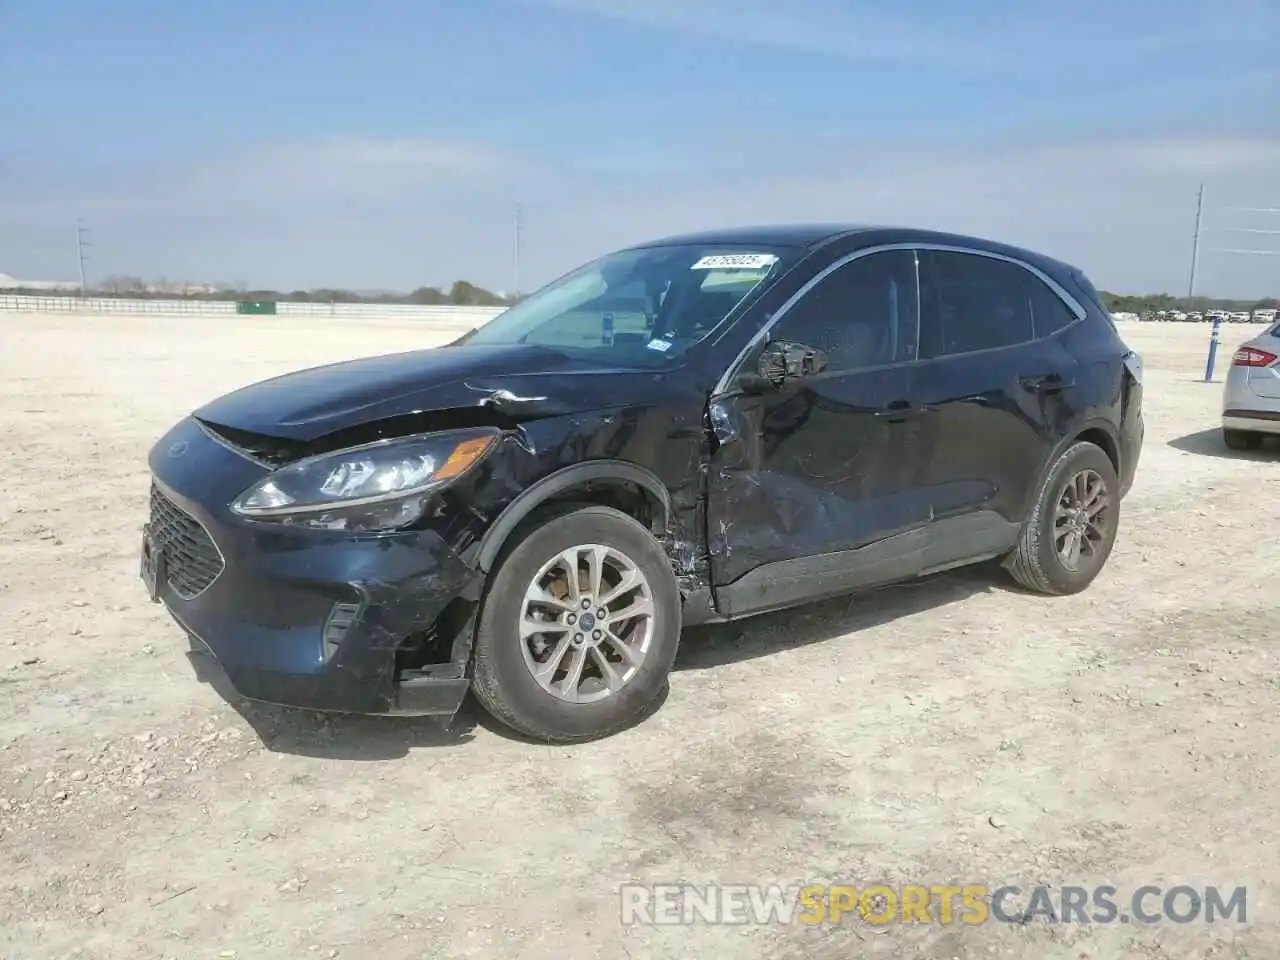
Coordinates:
(519, 382)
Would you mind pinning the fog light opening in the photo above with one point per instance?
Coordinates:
(342, 618)
(439, 644)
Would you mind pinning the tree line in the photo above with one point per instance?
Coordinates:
(1155, 302)
(466, 294)
(461, 293)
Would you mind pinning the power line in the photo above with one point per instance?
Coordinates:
(1226, 228)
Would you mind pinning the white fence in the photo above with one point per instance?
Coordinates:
(461, 316)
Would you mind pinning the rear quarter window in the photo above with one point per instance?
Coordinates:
(1085, 286)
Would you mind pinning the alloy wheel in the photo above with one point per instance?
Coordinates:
(1082, 519)
(587, 623)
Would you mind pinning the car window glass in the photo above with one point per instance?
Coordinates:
(970, 302)
(1049, 313)
(624, 310)
(863, 314)
(644, 307)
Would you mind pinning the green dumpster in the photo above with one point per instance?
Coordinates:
(257, 307)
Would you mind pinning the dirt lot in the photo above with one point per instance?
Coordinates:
(951, 731)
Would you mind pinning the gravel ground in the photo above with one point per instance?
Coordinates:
(955, 730)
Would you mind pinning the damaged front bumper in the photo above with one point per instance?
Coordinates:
(312, 619)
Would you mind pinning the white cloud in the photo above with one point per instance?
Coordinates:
(991, 35)
(1123, 211)
(849, 33)
(347, 169)
(401, 213)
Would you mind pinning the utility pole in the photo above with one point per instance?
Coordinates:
(519, 227)
(1195, 245)
(81, 256)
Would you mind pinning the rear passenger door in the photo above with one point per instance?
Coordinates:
(997, 381)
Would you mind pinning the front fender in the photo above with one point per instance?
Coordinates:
(568, 478)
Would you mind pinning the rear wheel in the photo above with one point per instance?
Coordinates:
(1072, 528)
(579, 627)
(1241, 439)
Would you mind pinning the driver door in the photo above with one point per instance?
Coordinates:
(817, 484)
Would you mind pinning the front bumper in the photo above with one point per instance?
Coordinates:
(309, 619)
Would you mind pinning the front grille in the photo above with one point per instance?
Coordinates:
(192, 560)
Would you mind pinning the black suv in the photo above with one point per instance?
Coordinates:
(700, 428)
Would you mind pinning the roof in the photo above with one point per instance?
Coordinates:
(814, 234)
(775, 235)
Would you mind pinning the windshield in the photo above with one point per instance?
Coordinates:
(644, 307)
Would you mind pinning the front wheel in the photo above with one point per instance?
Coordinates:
(579, 627)
(1072, 528)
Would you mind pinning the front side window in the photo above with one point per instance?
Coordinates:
(863, 314)
(972, 302)
(642, 307)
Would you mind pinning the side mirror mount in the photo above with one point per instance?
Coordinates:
(783, 361)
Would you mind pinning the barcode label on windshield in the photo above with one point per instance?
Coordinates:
(736, 261)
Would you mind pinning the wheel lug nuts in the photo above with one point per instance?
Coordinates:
(572, 618)
(596, 634)
(586, 604)
(577, 638)
(601, 613)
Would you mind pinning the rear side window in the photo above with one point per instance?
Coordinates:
(970, 302)
(1048, 313)
(1089, 290)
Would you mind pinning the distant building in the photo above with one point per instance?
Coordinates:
(11, 283)
(181, 288)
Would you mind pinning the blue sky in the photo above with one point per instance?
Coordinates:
(385, 143)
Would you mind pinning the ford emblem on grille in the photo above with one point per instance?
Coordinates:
(178, 449)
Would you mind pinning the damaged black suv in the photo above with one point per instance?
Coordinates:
(700, 428)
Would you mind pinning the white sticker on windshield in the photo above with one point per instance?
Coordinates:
(660, 345)
(736, 261)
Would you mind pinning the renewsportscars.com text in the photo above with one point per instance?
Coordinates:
(970, 904)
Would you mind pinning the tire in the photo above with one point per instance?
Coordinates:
(1036, 562)
(504, 681)
(1241, 439)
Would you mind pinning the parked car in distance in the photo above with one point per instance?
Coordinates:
(1251, 395)
(702, 428)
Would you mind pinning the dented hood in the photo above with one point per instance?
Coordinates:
(521, 381)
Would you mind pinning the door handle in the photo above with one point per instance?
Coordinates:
(1047, 383)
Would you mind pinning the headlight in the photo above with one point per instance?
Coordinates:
(379, 486)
